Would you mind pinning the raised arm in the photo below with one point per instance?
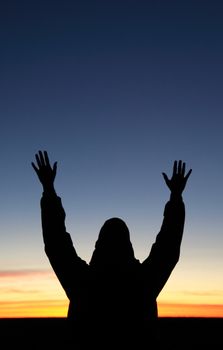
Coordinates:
(52, 213)
(58, 244)
(165, 251)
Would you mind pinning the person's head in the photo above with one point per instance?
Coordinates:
(113, 246)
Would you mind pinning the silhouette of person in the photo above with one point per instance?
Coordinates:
(112, 300)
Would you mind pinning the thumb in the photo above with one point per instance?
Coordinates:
(188, 174)
(54, 168)
(35, 168)
(165, 178)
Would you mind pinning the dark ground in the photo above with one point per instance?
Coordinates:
(174, 333)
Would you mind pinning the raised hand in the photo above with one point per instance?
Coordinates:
(178, 180)
(44, 171)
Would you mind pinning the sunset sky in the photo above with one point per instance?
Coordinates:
(115, 91)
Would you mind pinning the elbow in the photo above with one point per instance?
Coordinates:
(173, 259)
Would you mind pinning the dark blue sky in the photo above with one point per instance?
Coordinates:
(115, 91)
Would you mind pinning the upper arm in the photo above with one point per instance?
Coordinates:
(166, 250)
(67, 265)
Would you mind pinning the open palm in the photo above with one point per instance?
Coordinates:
(44, 171)
(178, 180)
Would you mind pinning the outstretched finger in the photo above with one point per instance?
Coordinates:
(46, 158)
(179, 166)
(41, 158)
(175, 167)
(38, 160)
(183, 168)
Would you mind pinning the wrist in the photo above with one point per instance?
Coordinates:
(176, 196)
(49, 189)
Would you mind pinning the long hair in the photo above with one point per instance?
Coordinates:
(113, 246)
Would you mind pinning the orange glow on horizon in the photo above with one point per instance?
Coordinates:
(58, 308)
(48, 308)
(22, 309)
(37, 293)
(31, 293)
(190, 310)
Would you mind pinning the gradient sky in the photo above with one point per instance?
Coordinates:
(115, 91)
